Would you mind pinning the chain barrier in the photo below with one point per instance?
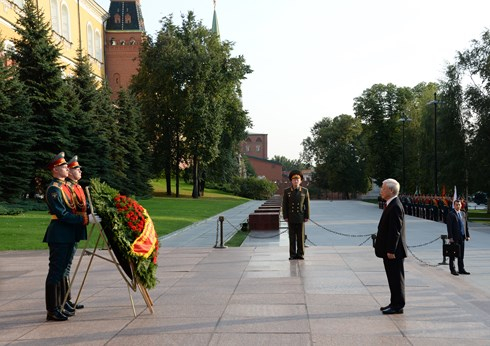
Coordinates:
(368, 236)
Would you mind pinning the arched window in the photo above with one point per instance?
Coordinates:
(90, 39)
(65, 22)
(98, 45)
(55, 16)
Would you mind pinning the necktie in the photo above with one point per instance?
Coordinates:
(460, 221)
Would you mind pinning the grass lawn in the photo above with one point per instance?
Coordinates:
(26, 231)
(479, 215)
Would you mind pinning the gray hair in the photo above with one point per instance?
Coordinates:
(393, 185)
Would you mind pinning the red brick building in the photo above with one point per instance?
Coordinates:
(255, 145)
(123, 38)
(271, 170)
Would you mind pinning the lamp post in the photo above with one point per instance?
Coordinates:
(435, 102)
(403, 120)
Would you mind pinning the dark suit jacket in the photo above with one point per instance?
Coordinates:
(391, 231)
(296, 205)
(453, 231)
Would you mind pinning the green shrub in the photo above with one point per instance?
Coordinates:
(255, 188)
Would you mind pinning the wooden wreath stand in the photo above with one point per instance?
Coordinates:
(133, 283)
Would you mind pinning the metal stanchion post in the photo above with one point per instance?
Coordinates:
(444, 238)
(221, 245)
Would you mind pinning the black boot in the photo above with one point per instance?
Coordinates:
(54, 313)
(61, 297)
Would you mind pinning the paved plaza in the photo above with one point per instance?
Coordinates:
(253, 295)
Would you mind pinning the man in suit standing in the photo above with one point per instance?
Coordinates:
(296, 211)
(457, 232)
(391, 245)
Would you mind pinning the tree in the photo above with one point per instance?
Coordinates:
(186, 84)
(225, 168)
(473, 62)
(37, 60)
(288, 164)
(16, 135)
(453, 125)
(379, 108)
(91, 141)
(336, 148)
(135, 144)
(111, 152)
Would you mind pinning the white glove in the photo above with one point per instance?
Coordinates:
(94, 218)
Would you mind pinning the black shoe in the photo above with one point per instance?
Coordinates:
(464, 272)
(69, 308)
(72, 305)
(392, 311)
(300, 257)
(56, 315)
(292, 258)
(454, 272)
(68, 313)
(385, 307)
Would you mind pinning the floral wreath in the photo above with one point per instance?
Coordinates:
(130, 232)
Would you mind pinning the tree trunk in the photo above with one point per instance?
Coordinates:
(168, 178)
(177, 170)
(195, 178)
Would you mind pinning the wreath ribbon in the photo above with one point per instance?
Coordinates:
(144, 245)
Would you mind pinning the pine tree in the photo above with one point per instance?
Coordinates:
(112, 164)
(37, 59)
(16, 135)
(90, 141)
(129, 119)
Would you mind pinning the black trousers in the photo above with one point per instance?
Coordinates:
(296, 239)
(60, 255)
(395, 272)
(460, 258)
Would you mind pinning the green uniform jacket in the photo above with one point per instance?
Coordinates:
(296, 205)
(64, 223)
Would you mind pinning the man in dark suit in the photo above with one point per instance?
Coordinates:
(391, 245)
(296, 211)
(457, 232)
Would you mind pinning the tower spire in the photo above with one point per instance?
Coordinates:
(215, 27)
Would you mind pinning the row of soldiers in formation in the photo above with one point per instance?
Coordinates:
(430, 207)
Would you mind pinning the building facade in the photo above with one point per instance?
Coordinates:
(124, 34)
(255, 145)
(111, 40)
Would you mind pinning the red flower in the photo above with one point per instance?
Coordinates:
(131, 212)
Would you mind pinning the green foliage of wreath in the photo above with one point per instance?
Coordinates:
(117, 225)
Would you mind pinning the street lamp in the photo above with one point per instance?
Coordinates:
(435, 102)
(403, 120)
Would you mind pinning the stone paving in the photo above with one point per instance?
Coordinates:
(253, 295)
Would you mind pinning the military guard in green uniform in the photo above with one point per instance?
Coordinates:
(61, 236)
(296, 211)
(81, 208)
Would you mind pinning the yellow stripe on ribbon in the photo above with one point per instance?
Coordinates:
(144, 245)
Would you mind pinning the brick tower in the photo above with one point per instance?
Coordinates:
(123, 36)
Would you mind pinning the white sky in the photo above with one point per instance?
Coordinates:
(311, 58)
